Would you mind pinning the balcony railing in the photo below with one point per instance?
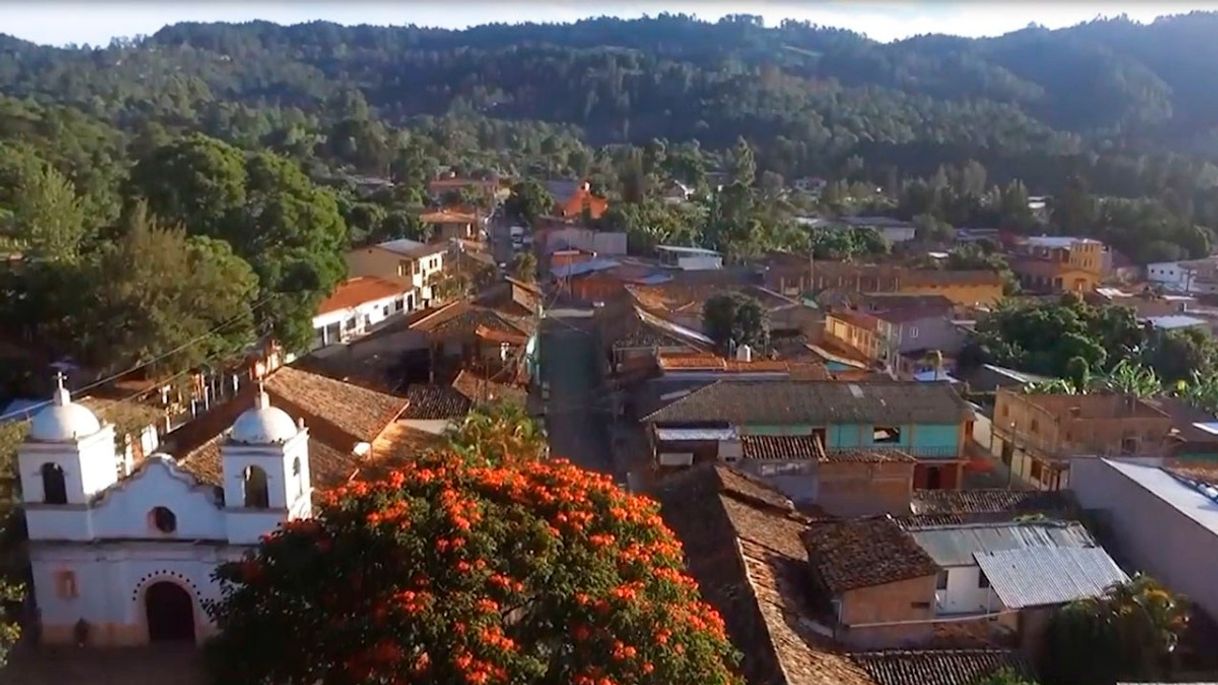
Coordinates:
(947, 452)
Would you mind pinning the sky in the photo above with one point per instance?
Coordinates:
(56, 22)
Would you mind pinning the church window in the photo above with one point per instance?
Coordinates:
(163, 519)
(54, 490)
(65, 585)
(256, 493)
(296, 475)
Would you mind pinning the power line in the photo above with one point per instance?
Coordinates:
(155, 359)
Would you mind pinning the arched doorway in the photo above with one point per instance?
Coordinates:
(171, 613)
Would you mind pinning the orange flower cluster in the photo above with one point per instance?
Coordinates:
(478, 672)
(412, 601)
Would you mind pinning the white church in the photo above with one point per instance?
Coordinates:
(125, 558)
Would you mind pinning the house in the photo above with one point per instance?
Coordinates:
(442, 189)
(1161, 520)
(839, 483)
(928, 421)
(1175, 322)
(938, 507)
(1038, 435)
(898, 338)
(573, 205)
(895, 585)
(689, 258)
(468, 333)
(892, 230)
(454, 224)
(1189, 277)
(124, 554)
(1194, 432)
(675, 192)
(413, 264)
(744, 546)
(1059, 263)
(1120, 269)
(356, 306)
(682, 299)
(788, 274)
(1145, 303)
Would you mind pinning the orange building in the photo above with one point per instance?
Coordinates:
(579, 201)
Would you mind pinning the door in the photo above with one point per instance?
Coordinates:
(171, 613)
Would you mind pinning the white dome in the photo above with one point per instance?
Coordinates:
(63, 420)
(263, 424)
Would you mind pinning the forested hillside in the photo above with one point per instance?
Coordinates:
(241, 143)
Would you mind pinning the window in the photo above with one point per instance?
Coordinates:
(65, 585)
(982, 581)
(404, 268)
(1129, 445)
(54, 490)
(941, 581)
(886, 435)
(1006, 411)
(399, 304)
(385, 310)
(163, 520)
(1035, 425)
(913, 331)
(296, 476)
(255, 486)
(1036, 469)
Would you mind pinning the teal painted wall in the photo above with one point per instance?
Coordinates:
(930, 440)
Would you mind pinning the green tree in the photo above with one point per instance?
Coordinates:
(197, 182)
(157, 289)
(734, 319)
(498, 432)
(444, 572)
(1127, 634)
(47, 219)
(524, 267)
(529, 200)
(743, 166)
(1006, 676)
(1176, 355)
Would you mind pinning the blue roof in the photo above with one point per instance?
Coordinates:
(1173, 321)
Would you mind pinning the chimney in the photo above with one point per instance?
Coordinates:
(744, 353)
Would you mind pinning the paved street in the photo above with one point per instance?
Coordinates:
(577, 413)
(177, 664)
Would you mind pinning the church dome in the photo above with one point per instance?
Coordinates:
(63, 420)
(263, 424)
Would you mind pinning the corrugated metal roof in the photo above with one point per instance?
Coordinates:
(581, 268)
(676, 434)
(1037, 576)
(957, 545)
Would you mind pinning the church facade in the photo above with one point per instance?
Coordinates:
(126, 558)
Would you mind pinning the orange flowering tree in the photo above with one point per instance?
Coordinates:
(450, 571)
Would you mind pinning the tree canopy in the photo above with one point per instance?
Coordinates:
(522, 572)
(733, 319)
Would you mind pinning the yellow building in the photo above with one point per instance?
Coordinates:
(1059, 264)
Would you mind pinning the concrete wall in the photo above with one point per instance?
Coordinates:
(1148, 533)
(964, 594)
(906, 600)
(110, 582)
(862, 489)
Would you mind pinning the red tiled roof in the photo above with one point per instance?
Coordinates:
(359, 412)
(863, 553)
(479, 389)
(939, 667)
(855, 318)
(447, 217)
(582, 199)
(359, 290)
(782, 447)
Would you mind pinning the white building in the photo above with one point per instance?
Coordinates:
(689, 258)
(993, 567)
(124, 558)
(407, 262)
(357, 306)
(1193, 277)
